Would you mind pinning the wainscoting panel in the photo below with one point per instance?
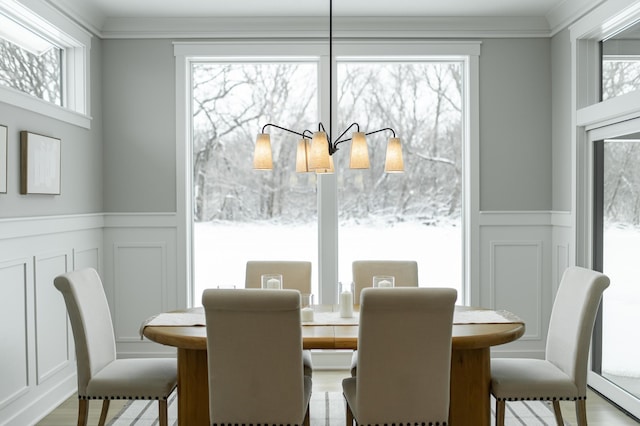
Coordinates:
(515, 274)
(516, 266)
(140, 277)
(14, 294)
(38, 369)
(52, 331)
(141, 286)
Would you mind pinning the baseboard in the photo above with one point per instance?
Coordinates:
(40, 406)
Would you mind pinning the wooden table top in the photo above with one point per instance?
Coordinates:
(336, 336)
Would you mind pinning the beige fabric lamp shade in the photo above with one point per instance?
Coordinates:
(319, 153)
(329, 170)
(359, 158)
(262, 159)
(393, 162)
(302, 156)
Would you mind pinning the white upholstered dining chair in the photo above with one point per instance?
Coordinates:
(562, 375)
(403, 377)
(254, 346)
(296, 275)
(405, 273)
(100, 374)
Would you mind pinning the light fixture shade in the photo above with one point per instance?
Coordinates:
(319, 153)
(302, 156)
(329, 170)
(359, 158)
(262, 159)
(393, 162)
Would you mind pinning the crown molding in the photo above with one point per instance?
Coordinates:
(568, 12)
(364, 27)
(86, 15)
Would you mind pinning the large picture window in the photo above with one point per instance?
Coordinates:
(240, 214)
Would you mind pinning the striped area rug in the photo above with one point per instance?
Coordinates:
(327, 409)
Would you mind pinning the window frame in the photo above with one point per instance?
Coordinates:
(75, 43)
(468, 51)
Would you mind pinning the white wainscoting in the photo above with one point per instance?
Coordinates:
(140, 276)
(521, 257)
(38, 359)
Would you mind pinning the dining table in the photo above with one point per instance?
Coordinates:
(474, 332)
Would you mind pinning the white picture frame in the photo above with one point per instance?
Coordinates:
(40, 164)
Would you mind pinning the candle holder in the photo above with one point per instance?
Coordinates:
(345, 299)
(306, 307)
(271, 281)
(383, 281)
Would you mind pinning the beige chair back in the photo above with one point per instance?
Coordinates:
(404, 356)
(571, 324)
(254, 344)
(404, 271)
(296, 275)
(91, 322)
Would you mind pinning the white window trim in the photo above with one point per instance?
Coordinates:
(76, 43)
(187, 52)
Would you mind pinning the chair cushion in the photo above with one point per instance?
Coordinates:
(147, 378)
(530, 379)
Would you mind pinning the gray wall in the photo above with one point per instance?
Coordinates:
(139, 122)
(515, 125)
(561, 124)
(81, 157)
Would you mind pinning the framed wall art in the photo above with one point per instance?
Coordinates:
(3, 159)
(39, 164)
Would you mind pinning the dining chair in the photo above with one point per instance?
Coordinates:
(254, 345)
(296, 275)
(100, 374)
(403, 377)
(405, 273)
(562, 375)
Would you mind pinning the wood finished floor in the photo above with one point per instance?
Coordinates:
(599, 411)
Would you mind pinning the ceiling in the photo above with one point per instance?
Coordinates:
(100, 14)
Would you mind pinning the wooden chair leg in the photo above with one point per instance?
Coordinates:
(307, 420)
(581, 412)
(103, 413)
(500, 407)
(349, 421)
(558, 413)
(83, 412)
(163, 418)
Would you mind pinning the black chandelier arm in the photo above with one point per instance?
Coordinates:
(286, 130)
(339, 141)
(366, 134)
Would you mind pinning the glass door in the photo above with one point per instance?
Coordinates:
(616, 252)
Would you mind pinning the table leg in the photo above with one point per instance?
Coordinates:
(470, 380)
(193, 388)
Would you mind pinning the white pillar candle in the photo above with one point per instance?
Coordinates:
(273, 283)
(346, 304)
(306, 314)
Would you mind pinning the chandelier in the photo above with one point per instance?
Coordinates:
(315, 149)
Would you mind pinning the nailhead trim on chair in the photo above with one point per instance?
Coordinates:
(545, 398)
(407, 424)
(254, 424)
(123, 397)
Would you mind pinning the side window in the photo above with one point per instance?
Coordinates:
(29, 63)
(621, 63)
(44, 57)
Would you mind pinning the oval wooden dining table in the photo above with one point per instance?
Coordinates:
(470, 364)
